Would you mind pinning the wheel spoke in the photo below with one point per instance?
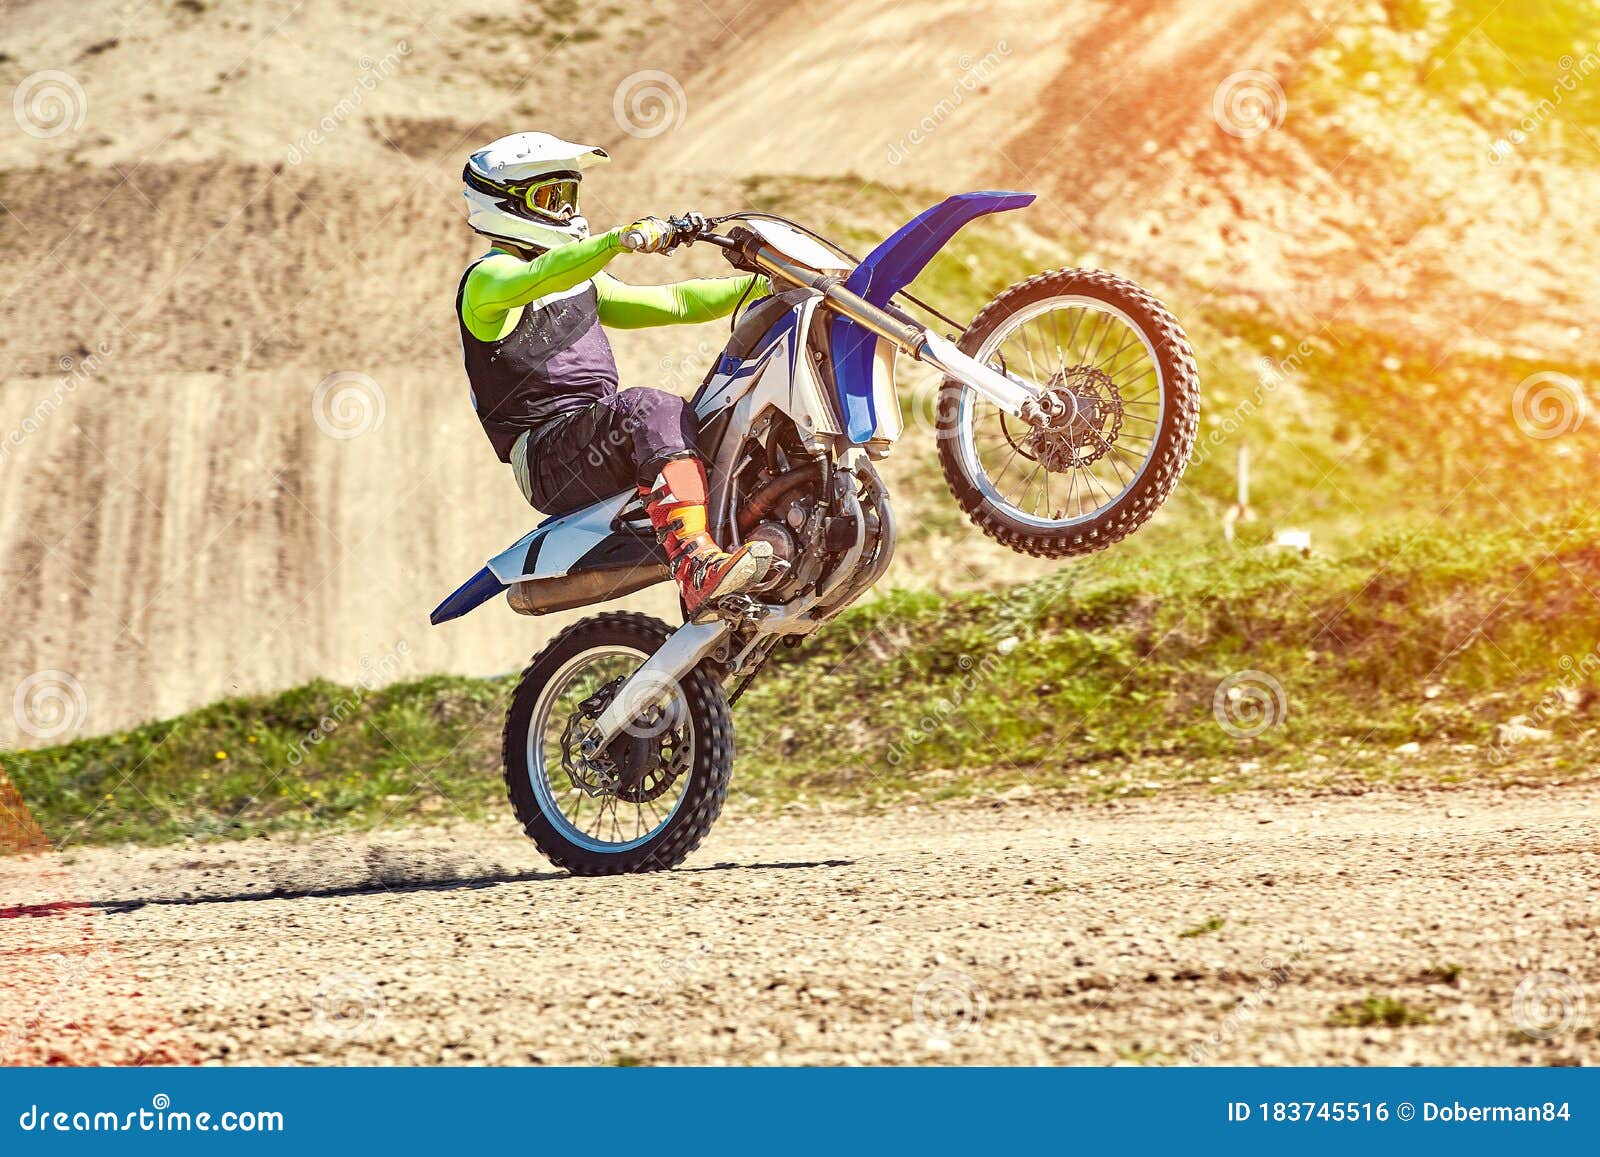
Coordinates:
(1108, 400)
(557, 769)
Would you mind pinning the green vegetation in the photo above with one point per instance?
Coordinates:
(1213, 924)
(1100, 681)
(1506, 66)
(1520, 47)
(318, 755)
(1387, 1011)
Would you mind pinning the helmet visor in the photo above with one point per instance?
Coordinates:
(555, 199)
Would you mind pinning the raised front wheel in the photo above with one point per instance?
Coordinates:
(1122, 404)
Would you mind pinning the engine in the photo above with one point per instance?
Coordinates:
(787, 512)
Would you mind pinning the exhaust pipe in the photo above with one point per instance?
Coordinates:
(542, 596)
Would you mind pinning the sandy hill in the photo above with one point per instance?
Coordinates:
(210, 210)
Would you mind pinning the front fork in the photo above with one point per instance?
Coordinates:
(1015, 397)
(656, 680)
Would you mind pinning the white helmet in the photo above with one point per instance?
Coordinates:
(524, 189)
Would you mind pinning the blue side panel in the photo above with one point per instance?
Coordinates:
(888, 269)
(476, 591)
(736, 369)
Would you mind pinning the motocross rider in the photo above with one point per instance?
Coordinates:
(543, 379)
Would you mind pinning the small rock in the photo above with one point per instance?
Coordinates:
(1519, 730)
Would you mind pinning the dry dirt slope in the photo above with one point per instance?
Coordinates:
(182, 265)
(1204, 142)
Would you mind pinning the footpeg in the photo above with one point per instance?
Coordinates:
(741, 608)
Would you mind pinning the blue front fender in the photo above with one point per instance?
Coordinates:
(886, 271)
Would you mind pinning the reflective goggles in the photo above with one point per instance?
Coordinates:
(556, 198)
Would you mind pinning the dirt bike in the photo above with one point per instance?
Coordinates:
(1067, 412)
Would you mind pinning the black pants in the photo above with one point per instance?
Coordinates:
(611, 445)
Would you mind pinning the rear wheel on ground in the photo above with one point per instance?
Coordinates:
(649, 799)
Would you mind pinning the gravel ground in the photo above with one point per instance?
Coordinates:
(1218, 930)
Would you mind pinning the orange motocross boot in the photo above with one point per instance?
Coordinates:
(705, 572)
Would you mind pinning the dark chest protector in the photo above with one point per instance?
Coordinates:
(556, 359)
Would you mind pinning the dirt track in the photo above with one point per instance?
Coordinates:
(1021, 933)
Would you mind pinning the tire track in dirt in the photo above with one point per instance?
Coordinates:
(1142, 81)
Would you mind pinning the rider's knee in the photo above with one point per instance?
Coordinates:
(655, 401)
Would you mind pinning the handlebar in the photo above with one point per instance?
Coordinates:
(745, 249)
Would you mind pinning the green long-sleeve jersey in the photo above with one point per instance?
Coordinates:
(532, 332)
(498, 286)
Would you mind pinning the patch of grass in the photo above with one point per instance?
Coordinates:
(1118, 660)
(1213, 924)
(1522, 47)
(1387, 1011)
(1141, 1054)
(1102, 679)
(1442, 974)
(316, 756)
